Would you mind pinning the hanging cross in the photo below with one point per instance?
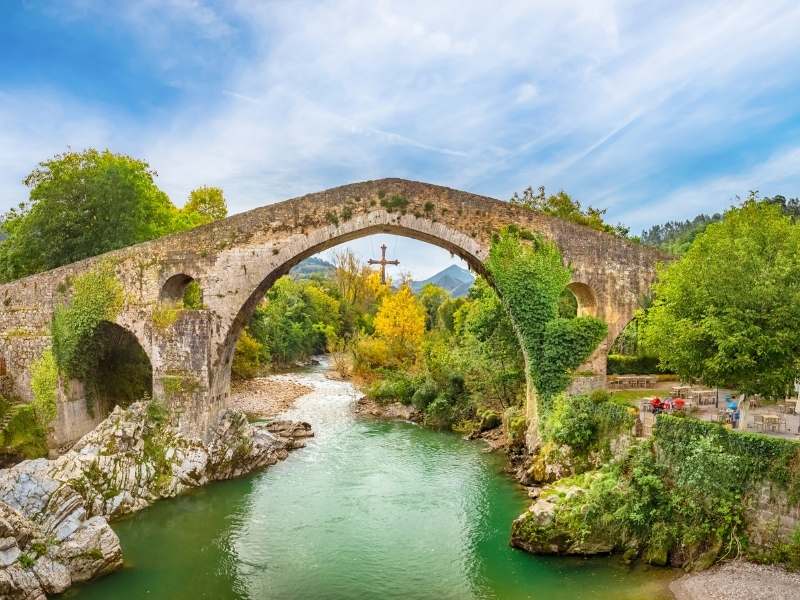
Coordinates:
(383, 262)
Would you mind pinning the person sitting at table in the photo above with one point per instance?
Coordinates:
(679, 403)
(667, 404)
(656, 405)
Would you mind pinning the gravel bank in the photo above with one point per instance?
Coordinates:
(266, 396)
(738, 580)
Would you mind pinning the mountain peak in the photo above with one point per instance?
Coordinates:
(454, 279)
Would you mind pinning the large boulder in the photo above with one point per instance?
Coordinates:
(543, 528)
(35, 562)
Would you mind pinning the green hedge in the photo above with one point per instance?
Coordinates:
(760, 457)
(623, 364)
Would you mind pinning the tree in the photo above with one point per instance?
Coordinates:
(82, 204)
(295, 320)
(432, 297)
(563, 206)
(359, 289)
(677, 236)
(205, 205)
(728, 312)
(400, 321)
(488, 349)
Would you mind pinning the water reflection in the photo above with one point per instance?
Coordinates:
(368, 509)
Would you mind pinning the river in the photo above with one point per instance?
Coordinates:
(368, 509)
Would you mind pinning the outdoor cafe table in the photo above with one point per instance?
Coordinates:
(679, 391)
(634, 381)
(703, 396)
(772, 422)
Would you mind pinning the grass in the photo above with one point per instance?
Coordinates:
(633, 396)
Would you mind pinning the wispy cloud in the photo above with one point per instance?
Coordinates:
(627, 105)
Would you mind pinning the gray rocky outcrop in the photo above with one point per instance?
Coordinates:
(54, 514)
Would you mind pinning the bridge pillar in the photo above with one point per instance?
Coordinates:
(591, 375)
(181, 359)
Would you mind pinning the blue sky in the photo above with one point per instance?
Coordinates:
(654, 111)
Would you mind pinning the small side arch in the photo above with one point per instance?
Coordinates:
(175, 287)
(587, 303)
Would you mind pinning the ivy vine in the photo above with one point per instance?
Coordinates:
(97, 296)
(529, 273)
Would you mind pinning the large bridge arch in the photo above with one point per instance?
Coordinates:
(418, 228)
(235, 260)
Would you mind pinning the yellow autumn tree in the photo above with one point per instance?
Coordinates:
(400, 322)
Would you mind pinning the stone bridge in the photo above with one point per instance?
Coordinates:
(236, 260)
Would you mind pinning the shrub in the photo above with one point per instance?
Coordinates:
(394, 203)
(584, 424)
(44, 381)
(251, 357)
(516, 425)
(439, 413)
(371, 353)
(97, 296)
(397, 387)
(24, 435)
(571, 421)
(599, 396)
(424, 395)
(681, 496)
(489, 419)
(165, 314)
(193, 296)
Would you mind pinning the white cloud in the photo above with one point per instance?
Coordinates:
(526, 92)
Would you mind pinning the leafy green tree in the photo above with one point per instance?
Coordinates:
(432, 297)
(447, 312)
(789, 206)
(564, 206)
(205, 205)
(251, 358)
(728, 312)
(677, 236)
(488, 349)
(295, 320)
(82, 204)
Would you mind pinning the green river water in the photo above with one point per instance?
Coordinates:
(368, 510)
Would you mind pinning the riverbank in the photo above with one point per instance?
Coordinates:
(370, 506)
(266, 397)
(738, 580)
(390, 411)
(495, 438)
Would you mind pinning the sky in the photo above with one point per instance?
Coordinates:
(652, 110)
